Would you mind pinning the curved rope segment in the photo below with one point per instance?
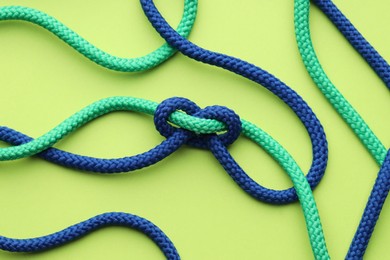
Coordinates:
(93, 53)
(31, 245)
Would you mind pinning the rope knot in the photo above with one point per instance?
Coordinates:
(223, 114)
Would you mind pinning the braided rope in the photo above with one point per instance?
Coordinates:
(93, 53)
(81, 229)
(353, 119)
(206, 123)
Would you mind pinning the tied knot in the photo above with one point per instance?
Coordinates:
(223, 114)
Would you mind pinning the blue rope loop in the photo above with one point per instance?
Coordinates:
(256, 74)
(239, 176)
(72, 233)
(223, 114)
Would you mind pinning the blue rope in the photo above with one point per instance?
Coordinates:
(81, 229)
(361, 45)
(371, 212)
(256, 74)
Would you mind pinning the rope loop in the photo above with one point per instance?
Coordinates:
(223, 114)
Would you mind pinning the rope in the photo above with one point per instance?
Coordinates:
(93, 53)
(81, 229)
(351, 117)
(206, 125)
(250, 71)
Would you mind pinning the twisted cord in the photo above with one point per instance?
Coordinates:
(93, 53)
(81, 229)
(205, 119)
(352, 118)
(356, 39)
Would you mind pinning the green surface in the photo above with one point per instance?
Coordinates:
(188, 195)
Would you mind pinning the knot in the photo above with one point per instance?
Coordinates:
(223, 114)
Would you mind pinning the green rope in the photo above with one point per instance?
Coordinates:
(199, 125)
(313, 66)
(93, 53)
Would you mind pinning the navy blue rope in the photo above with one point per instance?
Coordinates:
(371, 212)
(81, 229)
(250, 71)
(361, 45)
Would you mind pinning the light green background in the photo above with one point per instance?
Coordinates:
(188, 195)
